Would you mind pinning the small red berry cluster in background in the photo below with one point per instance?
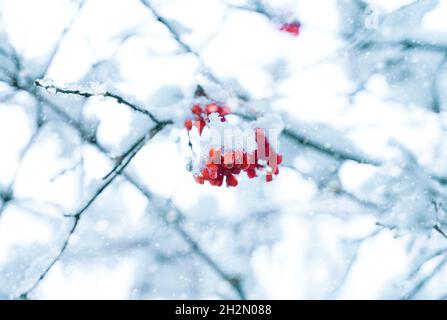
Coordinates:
(201, 114)
(226, 166)
(293, 28)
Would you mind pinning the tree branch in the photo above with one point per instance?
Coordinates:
(78, 214)
(440, 231)
(288, 133)
(106, 94)
(234, 281)
(60, 39)
(406, 44)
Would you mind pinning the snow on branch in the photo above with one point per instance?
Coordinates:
(52, 88)
(287, 132)
(406, 44)
(78, 214)
(234, 282)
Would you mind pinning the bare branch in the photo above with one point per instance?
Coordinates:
(106, 94)
(407, 44)
(318, 146)
(78, 214)
(290, 134)
(174, 33)
(127, 156)
(66, 170)
(234, 281)
(332, 152)
(421, 284)
(25, 294)
(254, 6)
(61, 39)
(438, 229)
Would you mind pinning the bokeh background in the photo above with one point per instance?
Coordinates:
(358, 210)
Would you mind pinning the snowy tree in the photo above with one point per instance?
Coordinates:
(327, 179)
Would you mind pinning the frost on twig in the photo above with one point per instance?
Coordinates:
(78, 214)
(84, 92)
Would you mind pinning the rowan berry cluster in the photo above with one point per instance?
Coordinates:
(223, 163)
(201, 115)
(226, 166)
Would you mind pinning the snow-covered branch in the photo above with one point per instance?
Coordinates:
(50, 87)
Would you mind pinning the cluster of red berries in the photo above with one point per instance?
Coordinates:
(226, 166)
(201, 114)
(293, 28)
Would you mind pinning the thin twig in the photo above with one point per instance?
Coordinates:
(60, 39)
(78, 214)
(66, 170)
(234, 281)
(174, 33)
(421, 284)
(25, 294)
(318, 146)
(106, 94)
(335, 153)
(290, 134)
(135, 148)
(438, 229)
(407, 44)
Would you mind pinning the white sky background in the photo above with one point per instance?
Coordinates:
(310, 241)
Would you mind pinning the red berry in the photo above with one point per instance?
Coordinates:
(251, 173)
(220, 180)
(196, 109)
(213, 175)
(227, 172)
(212, 107)
(206, 174)
(213, 166)
(236, 170)
(228, 160)
(215, 155)
(267, 150)
(293, 28)
(238, 158)
(199, 180)
(250, 159)
(188, 125)
(269, 177)
(223, 111)
(278, 159)
(200, 124)
(232, 181)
